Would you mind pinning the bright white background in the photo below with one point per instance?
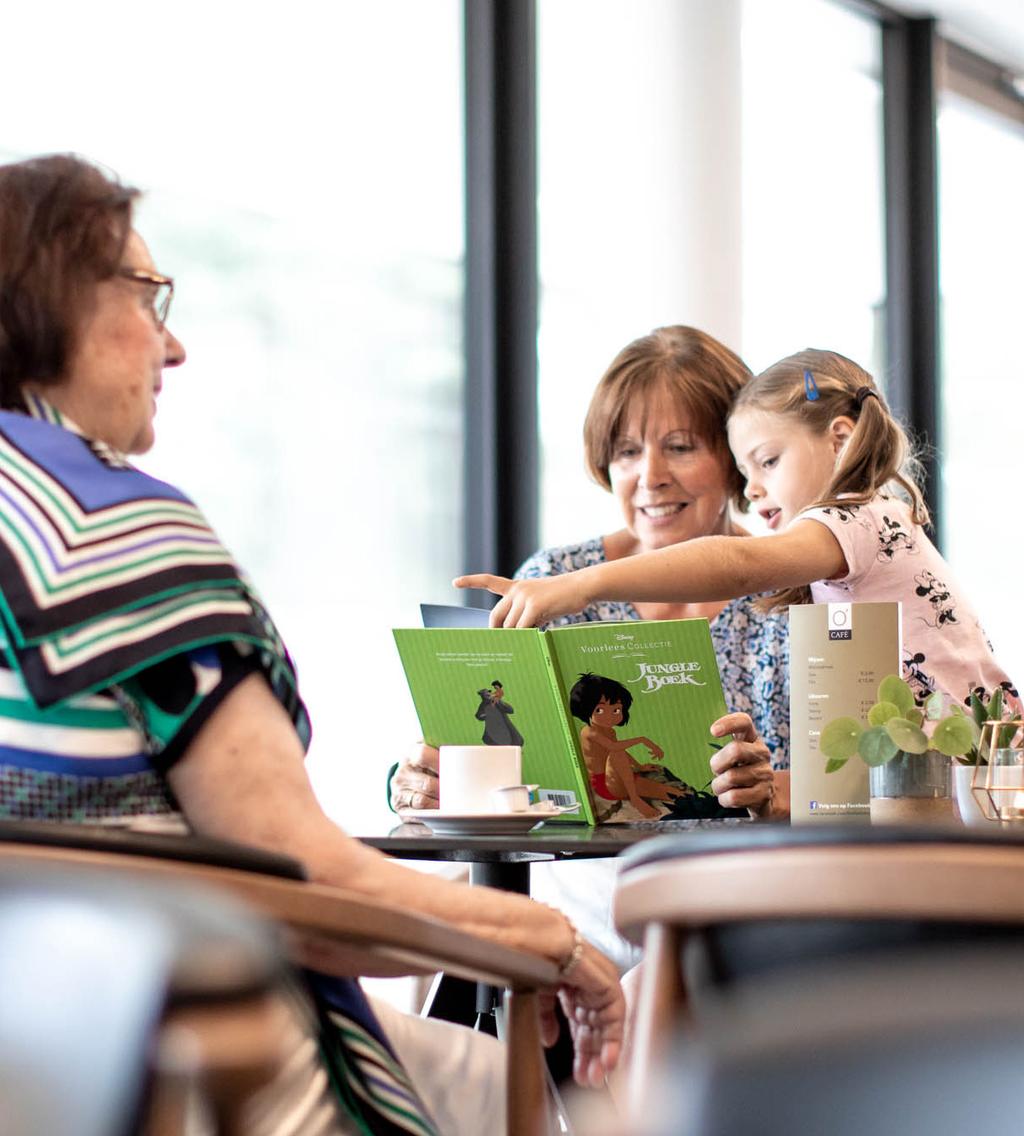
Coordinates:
(981, 184)
(775, 146)
(304, 169)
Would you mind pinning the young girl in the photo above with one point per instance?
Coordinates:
(829, 470)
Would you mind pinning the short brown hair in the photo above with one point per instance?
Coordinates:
(63, 227)
(703, 374)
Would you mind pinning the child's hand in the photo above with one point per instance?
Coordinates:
(655, 751)
(529, 603)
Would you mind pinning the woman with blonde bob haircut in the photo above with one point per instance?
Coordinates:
(655, 438)
(829, 469)
(703, 374)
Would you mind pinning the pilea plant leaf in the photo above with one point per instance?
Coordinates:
(876, 747)
(933, 706)
(895, 724)
(953, 736)
(881, 712)
(839, 738)
(893, 689)
(907, 736)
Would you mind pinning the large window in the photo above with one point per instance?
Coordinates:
(627, 205)
(717, 164)
(813, 204)
(981, 166)
(303, 170)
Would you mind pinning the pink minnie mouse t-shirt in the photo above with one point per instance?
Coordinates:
(890, 558)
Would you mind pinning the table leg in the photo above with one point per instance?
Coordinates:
(508, 877)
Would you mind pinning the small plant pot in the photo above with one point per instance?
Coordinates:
(912, 788)
(974, 808)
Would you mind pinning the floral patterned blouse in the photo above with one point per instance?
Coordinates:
(752, 647)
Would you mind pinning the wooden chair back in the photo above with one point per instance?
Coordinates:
(674, 892)
(326, 928)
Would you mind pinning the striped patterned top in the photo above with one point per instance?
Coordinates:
(121, 615)
(123, 619)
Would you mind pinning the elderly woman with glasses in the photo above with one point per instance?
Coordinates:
(141, 675)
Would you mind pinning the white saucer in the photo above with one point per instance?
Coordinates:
(483, 824)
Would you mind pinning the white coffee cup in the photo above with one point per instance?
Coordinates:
(468, 774)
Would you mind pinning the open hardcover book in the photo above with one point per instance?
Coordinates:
(613, 716)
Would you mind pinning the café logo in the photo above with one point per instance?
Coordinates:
(840, 621)
(656, 675)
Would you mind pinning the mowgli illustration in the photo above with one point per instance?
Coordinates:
(494, 712)
(602, 704)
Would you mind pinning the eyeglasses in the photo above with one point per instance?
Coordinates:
(162, 291)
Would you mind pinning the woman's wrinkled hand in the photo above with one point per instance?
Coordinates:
(530, 603)
(595, 1008)
(415, 783)
(743, 768)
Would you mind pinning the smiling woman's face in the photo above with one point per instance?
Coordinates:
(670, 484)
(115, 371)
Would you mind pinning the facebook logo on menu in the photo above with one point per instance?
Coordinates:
(840, 621)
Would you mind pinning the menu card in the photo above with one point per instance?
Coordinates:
(839, 653)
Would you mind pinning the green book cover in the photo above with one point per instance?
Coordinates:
(655, 686)
(454, 675)
(571, 698)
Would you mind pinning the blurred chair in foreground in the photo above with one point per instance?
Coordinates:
(128, 1009)
(921, 1043)
(757, 905)
(326, 928)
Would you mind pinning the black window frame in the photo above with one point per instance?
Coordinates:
(502, 449)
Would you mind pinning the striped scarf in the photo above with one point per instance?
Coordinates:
(367, 1076)
(105, 570)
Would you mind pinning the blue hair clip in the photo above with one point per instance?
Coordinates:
(810, 387)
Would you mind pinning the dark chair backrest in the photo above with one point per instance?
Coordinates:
(915, 1045)
(186, 847)
(89, 969)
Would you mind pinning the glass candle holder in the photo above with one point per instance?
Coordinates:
(1006, 783)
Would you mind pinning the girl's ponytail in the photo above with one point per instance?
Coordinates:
(817, 387)
(878, 457)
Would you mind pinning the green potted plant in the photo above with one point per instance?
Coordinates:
(908, 749)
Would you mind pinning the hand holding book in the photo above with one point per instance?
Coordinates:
(742, 769)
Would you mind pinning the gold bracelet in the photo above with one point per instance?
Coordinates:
(575, 955)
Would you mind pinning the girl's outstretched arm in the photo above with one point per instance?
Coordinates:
(695, 571)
